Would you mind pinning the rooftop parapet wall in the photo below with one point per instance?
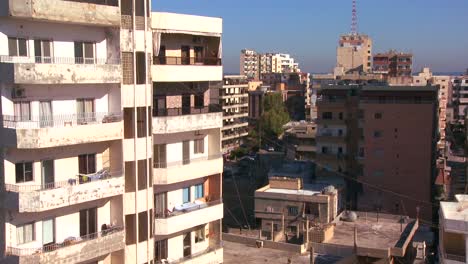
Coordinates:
(63, 11)
(286, 183)
(187, 23)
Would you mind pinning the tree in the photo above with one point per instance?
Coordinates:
(274, 116)
(296, 107)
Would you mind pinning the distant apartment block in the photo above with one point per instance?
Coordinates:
(459, 98)
(299, 139)
(364, 132)
(254, 64)
(396, 67)
(354, 54)
(234, 98)
(453, 230)
(186, 124)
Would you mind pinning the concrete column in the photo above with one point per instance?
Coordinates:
(307, 231)
(272, 231)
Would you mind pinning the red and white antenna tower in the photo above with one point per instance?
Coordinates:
(354, 20)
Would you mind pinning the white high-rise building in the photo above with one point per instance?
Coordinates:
(95, 130)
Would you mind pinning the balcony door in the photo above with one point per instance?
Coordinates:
(42, 51)
(160, 106)
(160, 204)
(88, 222)
(185, 55)
(199, 55)
(47, 171)
(84, 52)
(48, 232)
(186, 104)
(187, 244)
(86, 166)
(45, 114)
(85, 111)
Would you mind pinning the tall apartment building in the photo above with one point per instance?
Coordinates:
(282, 63)
(250, 64)
(234, 99)
(76, 165)
(459, 97)
(366, 133)
(187, 122)
(393, 64)
(354, 54)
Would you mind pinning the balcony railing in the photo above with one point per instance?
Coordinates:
(212, 108)
(164, 165)
(34, 122)
(12, 251)
(196, 255)
(186, 208)
(58, 60)
(78, 179)
(202, 61)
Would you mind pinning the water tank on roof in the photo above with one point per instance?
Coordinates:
(349, 216)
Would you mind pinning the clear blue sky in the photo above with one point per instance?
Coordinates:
(436, 31)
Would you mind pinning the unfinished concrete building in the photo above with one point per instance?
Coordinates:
(354, 54)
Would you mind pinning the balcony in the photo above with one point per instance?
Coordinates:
(453, 259)
(85, 12)
(174, 172)
(331, 138)
(60, 130)
(213, 254)
(188, 216)
(76, 250)
(59, 70)
(176, 120)
(186, 69)
(80, 189)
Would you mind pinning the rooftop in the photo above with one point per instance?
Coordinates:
(309, 189)
(186, 24)
(456, 210)
(377, 236)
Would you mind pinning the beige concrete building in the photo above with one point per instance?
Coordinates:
(285, 204)
(354, 54)
(186, 127)
(234, 98)
(453, 231)
(250, 64)
(78, 132)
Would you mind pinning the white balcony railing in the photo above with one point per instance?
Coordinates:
(57, 60)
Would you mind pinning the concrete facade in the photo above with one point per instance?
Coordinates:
(85, 109)
(453, 231)
(354, 54)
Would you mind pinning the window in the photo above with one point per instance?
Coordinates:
(361, 152)
(142, 226)
(160, 250)
(141, 122)
(327, 115)
(198, 54)
(140, 68)
(42, 51)
(88, 221)
(186, 152)
(293, 210)
(22, 111)
(130, 226)
(25, 233)
(199, 146)
(200, 235)
(129, 129)
(378, 115)
(340, 150)
(340, 115)
(378, 173)
(199, 192)
(186, 195)
(324, 150)
(85, 111)
(142, 175)
(86, 166)
(24, 172)
(160, 205)
(379, 153)
(378, 134)
(17, 47)
(199, 100)
(84, 52)
(160, 156)
(129, 178)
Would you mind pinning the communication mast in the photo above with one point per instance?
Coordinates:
(354, 20)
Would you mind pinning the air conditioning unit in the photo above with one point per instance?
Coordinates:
(18, 93)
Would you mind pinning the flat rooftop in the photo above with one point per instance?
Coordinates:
(456, 210)
(309, 189)
(378, 236)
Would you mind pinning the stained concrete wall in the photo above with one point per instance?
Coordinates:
(66, 12)
(176, 124)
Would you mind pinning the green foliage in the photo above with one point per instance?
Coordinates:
(238, 153)
(274, 116)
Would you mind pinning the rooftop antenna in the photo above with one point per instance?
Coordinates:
(354, 20)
